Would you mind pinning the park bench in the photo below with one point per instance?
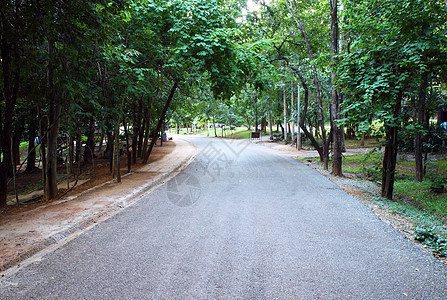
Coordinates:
(255, 136)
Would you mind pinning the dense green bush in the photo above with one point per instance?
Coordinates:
(434, 142)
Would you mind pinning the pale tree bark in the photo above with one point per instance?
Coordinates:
(294, 11)
(285, 110)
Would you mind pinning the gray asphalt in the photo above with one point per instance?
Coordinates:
(238, 223)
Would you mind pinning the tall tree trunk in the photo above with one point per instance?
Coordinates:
(43, 125)
(108, 153)
(255, 100)
(89, 149)
(292, 105)
(10, 93)
(128, 152)
(302, 125)
(54, 110)
(335, 107)
(214, 126)
(136, 128)
(52, 134)
(263, 125)
(390, 155)
(293, 9)
(285, 110)
(31, 161)
(160, 121)
(420, 109)
(15, 150)
(117, 152)
(147, 129)
(282, 129)
(70, 156)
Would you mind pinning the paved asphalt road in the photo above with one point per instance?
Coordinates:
(239, 223)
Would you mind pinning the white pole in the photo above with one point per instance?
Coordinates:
(298, 138)
(291, 105)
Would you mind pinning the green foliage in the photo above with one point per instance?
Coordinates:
(388, 52)
(421, 193)
(434, 140)
(371, 165)
(432, 240)
(429, 229)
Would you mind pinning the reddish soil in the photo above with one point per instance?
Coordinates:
(97, 175)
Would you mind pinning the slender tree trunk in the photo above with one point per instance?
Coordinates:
(108, 153)
(292, 105)
(70, 157)
(304, 115)
(43, 125)
(285, 110)
(89, 149)
(264, 125)
(136, 128)
(389, 162)
(117, 153)
(336, 129)
(52, 134)
(11, 83)
(54, 110)
(160, 121)
(147, 129)
(390, 156)
(31, 161)
(418, 145)
(141, 136)
(282, 129)
(255, 100)
(16, 139)
(214, 126)
(293, 9)
(78, 148)
(128, 152)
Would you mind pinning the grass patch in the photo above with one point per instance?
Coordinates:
(429, 229)
(367, 164)
(241, 134)
(369, 142)
(421, 195)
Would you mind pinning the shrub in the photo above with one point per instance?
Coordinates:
(434, 142)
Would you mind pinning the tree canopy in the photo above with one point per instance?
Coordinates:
(90, 69)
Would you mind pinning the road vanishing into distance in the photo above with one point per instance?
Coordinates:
(240, 222)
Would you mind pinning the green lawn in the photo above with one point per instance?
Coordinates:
(369, 142)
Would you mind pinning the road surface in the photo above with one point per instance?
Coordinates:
(240, 222)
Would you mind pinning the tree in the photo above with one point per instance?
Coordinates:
(294, 10)
(386, 54)
(337, 129)
(11, 41)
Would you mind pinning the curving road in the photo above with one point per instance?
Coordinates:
(239, 222)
